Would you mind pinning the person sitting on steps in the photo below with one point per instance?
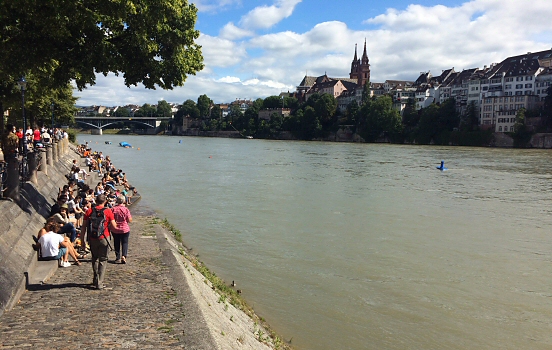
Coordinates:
(54, 246)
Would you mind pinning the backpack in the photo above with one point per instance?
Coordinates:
(97, 223)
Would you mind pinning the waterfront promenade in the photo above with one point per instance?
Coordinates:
(157, 300)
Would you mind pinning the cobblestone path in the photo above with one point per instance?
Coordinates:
(138, 309)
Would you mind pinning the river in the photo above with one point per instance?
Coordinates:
(363, 246)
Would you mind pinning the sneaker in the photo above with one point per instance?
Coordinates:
(66, 264)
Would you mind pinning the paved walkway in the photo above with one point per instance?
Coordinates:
(139, 308)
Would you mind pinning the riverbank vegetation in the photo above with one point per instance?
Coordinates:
(376, 119)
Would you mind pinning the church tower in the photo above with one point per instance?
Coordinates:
(360, 68)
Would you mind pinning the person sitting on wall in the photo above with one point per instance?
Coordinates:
(67, 228)
(53, 246)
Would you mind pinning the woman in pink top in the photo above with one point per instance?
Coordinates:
(120, 235)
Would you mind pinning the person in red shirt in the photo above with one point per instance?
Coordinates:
(36, 136)
(19, 134)
(98, 245)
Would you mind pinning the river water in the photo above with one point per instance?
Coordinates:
(363, 246)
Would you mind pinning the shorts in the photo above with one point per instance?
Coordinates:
(61, 252)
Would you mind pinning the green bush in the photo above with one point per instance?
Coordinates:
(72, 135)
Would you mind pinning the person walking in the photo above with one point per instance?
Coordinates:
(121, 233)
(97, 221)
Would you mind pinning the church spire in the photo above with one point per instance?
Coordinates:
(354, 59)
(364, 54)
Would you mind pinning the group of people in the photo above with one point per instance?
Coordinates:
(13, 140)
(73, 227)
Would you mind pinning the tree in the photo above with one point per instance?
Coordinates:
(164, 109)
(352, 112)
(188, 109)
(470, 120)
(382, 120)
(216, 112)
(235, 113)
(146, 110)
(291, 102)
(366, 92)
(273, 102)
(204, 105)
(519, 126)
(325, 107)
(547, 109)
(122, 112)
(150, 41)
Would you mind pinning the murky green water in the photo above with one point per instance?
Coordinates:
(363, 246)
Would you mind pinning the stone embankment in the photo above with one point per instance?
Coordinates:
(156, 300)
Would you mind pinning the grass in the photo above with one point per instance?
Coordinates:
(226, 293)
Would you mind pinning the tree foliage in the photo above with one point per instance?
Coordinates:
(188, 109)
(437, 122)
(204, 105)
(149, 41)
(380, 119)
(164, 109)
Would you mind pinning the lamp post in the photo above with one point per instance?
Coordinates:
(53, 105)
(23, 84)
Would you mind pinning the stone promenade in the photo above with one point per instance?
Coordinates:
(138, 309)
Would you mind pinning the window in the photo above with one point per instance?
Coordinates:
(527, 86)
(509, 79)
(511, 128)
(507, 86)
(519, 78)
(519, 86)
(485, 88)
(529, 77)
(500, 128)
(519, 92)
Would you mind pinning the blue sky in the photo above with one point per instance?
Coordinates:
(260, 48)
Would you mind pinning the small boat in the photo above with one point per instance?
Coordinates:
(108, 142)
(125, 144)
(249, 137)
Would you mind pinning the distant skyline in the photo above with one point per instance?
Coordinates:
(255, 49)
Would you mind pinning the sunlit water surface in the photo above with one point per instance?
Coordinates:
(363, 246)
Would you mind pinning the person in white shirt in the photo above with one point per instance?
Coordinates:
(54, 246)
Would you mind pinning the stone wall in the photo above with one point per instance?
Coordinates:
(19, 222)
(541, 140)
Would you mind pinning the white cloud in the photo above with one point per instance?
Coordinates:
(267, 16)
(219, 52)
(231, 32)
(229, 80)
(400, 44)
(214, 5)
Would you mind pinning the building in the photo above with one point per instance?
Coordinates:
(499, 112)
(360, 68)
(345, 90)
(266, 114)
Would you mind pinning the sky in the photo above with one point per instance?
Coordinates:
(258, 48)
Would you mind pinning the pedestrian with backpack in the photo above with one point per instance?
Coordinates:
(97, 221)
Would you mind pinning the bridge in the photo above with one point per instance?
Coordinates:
(100, 122)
